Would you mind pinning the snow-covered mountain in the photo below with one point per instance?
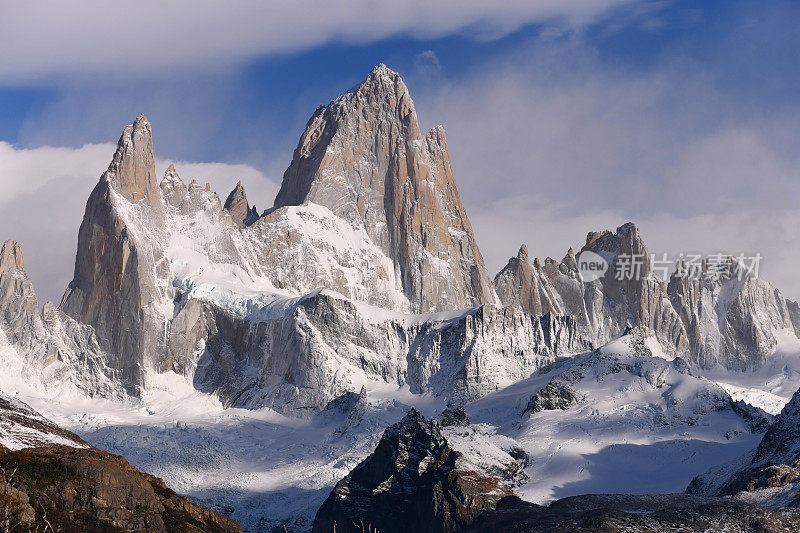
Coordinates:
(768, 474)
(254, 360)
(311, 300)
(622, 418)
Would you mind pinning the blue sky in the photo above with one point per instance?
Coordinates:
(562, 116)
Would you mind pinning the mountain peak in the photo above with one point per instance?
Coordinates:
(522, 254)
(364, 157)
(11, 254)
(236, 204)
(132, 170)
(382, 72)
(382, 86)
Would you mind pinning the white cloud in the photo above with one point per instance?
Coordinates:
(43, 193)
(551, 143)
(151, 35)
(426, 63)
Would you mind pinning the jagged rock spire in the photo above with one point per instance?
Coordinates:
(19, 307)
(519, 284)
(240, 211)
(114, 286)
(363, 156)
(18, 303)
(11, 256)
(132, 170)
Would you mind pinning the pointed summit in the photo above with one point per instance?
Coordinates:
(132, 170)
(363, 157)
(11, 256)
(18, 303)
(239, 209)
(113, 288)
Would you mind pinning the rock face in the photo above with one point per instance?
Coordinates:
(413, 481)
(114, 288)
(239, 209)
(733, 322)
(19, 306)
(605, 307)
(318, 347)
(46, 349)
(730, 321)
(70, 489)
(363, 156)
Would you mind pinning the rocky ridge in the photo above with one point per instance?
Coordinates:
(23, 427)
(769, 474)
(85, 489)
(727, 321)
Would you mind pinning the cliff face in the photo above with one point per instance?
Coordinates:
(114, 288)
(320, 346)
(363, 156)
(18, 303)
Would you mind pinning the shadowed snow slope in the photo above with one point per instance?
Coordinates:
(618, 420)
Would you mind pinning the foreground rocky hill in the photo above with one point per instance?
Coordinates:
(52, 479)
(85, 489)
(651, 513)
(414, 480)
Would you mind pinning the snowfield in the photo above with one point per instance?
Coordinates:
(638, 424)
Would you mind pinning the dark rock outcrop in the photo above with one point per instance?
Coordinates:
(555, 395)
(642, 513)
(413, 481)
(85, 489)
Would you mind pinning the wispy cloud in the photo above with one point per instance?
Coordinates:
(551, 143)
(151, 35)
